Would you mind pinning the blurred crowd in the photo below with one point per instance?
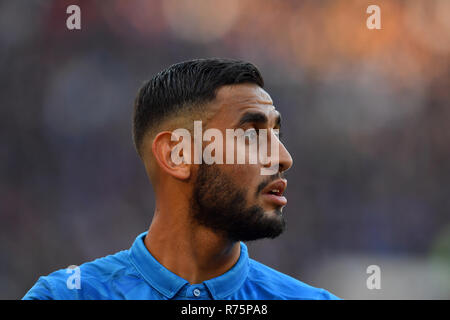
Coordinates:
(366, 118)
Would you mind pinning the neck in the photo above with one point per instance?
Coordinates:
(192, 252)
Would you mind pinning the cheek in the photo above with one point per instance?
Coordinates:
(246, 177)
(239, 151)
(245, 173)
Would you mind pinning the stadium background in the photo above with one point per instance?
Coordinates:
(366, 119)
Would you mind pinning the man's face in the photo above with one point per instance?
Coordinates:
(235, 199)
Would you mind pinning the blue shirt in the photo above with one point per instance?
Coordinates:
(135, 274)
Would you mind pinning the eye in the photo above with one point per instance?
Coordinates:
(251, 134)
(277, 133)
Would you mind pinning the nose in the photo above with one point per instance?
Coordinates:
(279, 162)
(285, 161)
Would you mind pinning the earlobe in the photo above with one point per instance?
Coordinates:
(164, 149)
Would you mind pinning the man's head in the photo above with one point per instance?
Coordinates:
(233, 200)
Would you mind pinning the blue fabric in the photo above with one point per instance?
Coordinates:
(135, 274)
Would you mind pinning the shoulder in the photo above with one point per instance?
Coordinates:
(87, 281)
(273, 284)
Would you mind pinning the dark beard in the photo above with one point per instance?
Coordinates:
(219, 204)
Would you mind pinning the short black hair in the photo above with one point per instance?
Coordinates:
(186, 85)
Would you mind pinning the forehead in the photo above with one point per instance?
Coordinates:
(233, 101)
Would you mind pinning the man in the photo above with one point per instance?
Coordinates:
(193, 248)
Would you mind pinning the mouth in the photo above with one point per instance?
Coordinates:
(273, 193)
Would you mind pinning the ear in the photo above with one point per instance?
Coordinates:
(171, 155)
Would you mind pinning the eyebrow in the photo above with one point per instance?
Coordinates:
(257, 117)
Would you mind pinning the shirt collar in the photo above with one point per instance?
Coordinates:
(233, 279)
(168, 283)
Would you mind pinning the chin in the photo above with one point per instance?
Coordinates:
(274, 211)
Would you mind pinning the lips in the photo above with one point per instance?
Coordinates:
(274, 192)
